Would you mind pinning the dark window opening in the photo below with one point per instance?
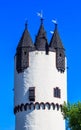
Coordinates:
(60, 55)
(47, 49)
(25, 53)
(57, 92)
(32, 93)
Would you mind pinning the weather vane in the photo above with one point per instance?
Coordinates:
(40, 14)
(51, 32)
(55, 22)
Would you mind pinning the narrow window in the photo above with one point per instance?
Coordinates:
(57, 92)
(60, 55)
(32, 93)
(47, 49)
(25, 53)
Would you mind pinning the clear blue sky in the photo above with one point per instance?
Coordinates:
(13, 14)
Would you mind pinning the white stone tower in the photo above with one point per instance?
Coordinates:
(40, 86)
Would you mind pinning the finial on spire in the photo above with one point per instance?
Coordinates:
(26, 24)
(42, 20)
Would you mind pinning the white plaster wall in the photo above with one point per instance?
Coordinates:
(43, 75)
(40, 120)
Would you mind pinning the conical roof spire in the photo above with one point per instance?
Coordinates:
(26, 40)
(55, 40)
(22, 53)
(41, 39)
(42, 20)
(56, 45)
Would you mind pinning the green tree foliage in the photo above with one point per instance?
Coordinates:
(72, 114)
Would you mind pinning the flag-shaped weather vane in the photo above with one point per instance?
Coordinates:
(55, 22)
(40, 14)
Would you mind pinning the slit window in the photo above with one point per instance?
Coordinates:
(32, 93)
(25, 53)
(60, 55)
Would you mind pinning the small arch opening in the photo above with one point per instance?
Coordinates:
(31, 106)
(26, 106)
(57, 106)
(42, 105)
(18, 108)
(47, 105)
(61, 108)
(53, 106)
(37, 106)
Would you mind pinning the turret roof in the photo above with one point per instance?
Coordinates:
(26, 40)
(55, 40)
(41, 39)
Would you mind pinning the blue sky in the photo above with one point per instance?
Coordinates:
(13, 14)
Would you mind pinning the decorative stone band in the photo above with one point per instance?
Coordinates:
(37, 106)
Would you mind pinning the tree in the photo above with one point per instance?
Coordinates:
(72, 114)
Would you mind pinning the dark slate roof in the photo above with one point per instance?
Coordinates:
(26, 40)
(55, 40)
(41, 39)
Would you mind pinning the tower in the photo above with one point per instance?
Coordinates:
(40, 86)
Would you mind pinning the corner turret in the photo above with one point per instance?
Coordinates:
(41, 42)
(22, 52)
(56, 44)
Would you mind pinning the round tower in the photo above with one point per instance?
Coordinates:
(40, 82)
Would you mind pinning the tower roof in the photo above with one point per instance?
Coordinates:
(26, 40)
(41, 39)
(55, 40)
